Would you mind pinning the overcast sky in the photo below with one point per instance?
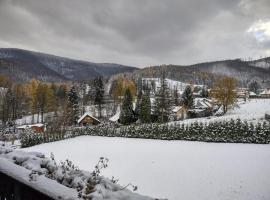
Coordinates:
(138, 32)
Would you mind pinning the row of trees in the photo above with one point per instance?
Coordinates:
(223, 91)
(68, 102)
(33, 97)
(64, 101)
(158, 111)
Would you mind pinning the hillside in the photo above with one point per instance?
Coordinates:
(22, 65)
(206, 73)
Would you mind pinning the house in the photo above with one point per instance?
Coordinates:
(179, 112)
(252, 94)
(37, 128)
(88, 120)
(265, 93)
(242, 93)
(202, 108)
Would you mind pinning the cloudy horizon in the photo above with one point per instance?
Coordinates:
(138, 33)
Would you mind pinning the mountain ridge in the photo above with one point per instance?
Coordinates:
(22, 65)
(208, 72)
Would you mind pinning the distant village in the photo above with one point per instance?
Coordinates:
(117, 101)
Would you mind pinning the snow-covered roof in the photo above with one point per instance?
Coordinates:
(115, 117)
(86, 114)
(265, 92)
(30, 125)
(177, 108)
(252, 93)
(202, 103)
(196, 110)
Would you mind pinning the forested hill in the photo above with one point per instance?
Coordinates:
(206, 73)
(22, 65)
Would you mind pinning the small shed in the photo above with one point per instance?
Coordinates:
(252, 94)
(88, 120)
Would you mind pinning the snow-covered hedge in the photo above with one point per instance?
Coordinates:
(233, 131)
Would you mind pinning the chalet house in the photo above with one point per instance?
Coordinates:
(88, 120)
(242, 93)
(252, 94)
(179, 113)
(36, 128)
(265, 93)
(202, 108)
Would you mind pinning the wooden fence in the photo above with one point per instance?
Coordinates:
(11, 189)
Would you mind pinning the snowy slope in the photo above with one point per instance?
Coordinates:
(175, 169)
(262, 63)
(172, 84)
(252, 111)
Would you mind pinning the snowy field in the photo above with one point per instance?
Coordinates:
(174, 169)
(253, 111)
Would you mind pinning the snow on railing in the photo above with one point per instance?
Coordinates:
(44, 177)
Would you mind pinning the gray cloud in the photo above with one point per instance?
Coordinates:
(139, 33)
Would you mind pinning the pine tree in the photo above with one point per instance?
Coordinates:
(73, 106)
(138, 102)
(99, 94)
(162, 105)
(145, 111)
(176, 97)
(204, 92)
(187, 97)
(8, 106)
(127, 115)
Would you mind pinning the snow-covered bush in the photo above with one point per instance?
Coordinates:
(89, 185)
(233, 131)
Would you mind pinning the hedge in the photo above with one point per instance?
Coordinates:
(232, 131)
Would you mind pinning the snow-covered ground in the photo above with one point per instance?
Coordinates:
(30, 119)
(253, 110)
(174, 169)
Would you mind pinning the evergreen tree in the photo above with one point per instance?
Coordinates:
(204, 93)
(138, 102)
(162, 105)
(145, 111)
(176, 97)
(73, 106)
(99, 94)
(254, 86)
(8, 106)
(127, 115)
(187, 97)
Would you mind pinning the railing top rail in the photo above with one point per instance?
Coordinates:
(42, 184)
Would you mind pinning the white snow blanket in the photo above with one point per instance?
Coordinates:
(177, 170)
